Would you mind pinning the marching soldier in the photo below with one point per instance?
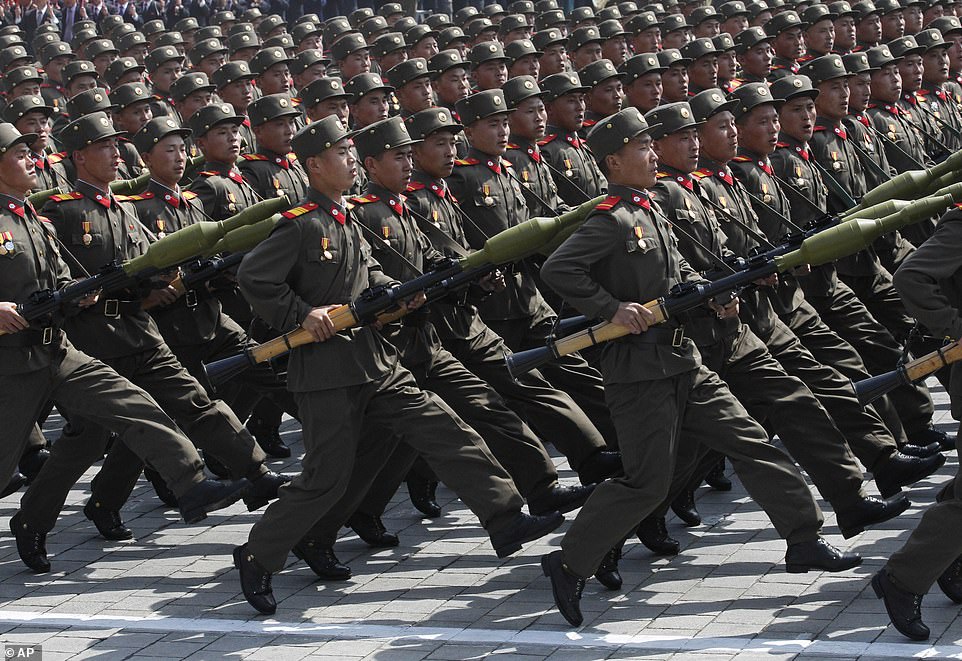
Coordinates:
(273, 170)
(54, 57)
(31, 116)
(490, 195)
(605, 94)
(234, 87)
(654, 368)
(785, 29)
(643, 81)
(164, 66)
(98, 229)
(40, 363)
(353, 376)
(565, 152)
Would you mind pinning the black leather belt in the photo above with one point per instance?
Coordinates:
(114, 308)
(32, 337)
(675, 336)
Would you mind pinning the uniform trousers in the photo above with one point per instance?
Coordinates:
(82, 386)
(210, 424)
(934, 544)
(359, 425)
(664, 421)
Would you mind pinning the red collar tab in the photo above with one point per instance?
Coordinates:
(494, 166)
(574, 140)
(235, 176)
(17, 209)
(640, 201)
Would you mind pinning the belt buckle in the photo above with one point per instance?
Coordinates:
(48, 335)
(678, 337)
(190, 298)
(112, 308)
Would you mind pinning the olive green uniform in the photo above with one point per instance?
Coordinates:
(98, 229)
(272, 175)
(493, 200)
(624, 252)
(350, 388)
(930, 282)
(732, 350)
(572, 166)
(38, 365)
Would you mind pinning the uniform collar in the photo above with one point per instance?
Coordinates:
(276, 159)
(94, 193)
(530, 147)
(172, 197)
(436, 186)
(225, 170)
(630, 195)
(677, 176)
(757, 159)
(571, 137)
(14, 205)
(788, 142)
(716, 169)
(394, 200)
(492, 162)
(335, 209)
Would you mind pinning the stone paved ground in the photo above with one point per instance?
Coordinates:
(172, 593)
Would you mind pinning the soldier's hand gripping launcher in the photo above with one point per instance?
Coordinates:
(821, 247)
(202, 239)
(513, 244)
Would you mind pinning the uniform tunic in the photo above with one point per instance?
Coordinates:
(572, 166)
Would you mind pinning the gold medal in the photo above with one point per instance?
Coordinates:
(161, 226)
(767, 199)
(3, 249)
(230, 196)
(568, 171)
(836, 166)
(232, 207)
(86, 238)
(325, 244)
(328, 255)
(488, 201)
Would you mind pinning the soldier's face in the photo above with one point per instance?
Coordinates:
(820, 38)
(935, 66)
(644, 92)
(416, 95)
(334, 169)
(606, 97)
(167, 160)
(435, 155)
(166, 74)
(28, 88)
(80, 84)
(913, 19)
(525, 66)
(845, 33)
(893, 26)
(647, 41)
(703, 72)
(276, 80)
(529, 119)
(674, 83)
(211, 63)
(18, 173)
(679, 150)
(859, 92)
(955, 51)
(554, 59)
(676, 39)
(370, 108)
(452, 85)
(635, 164)
(238, 94)
(392, 59)
(758, 130)
(333, 106)
(585, 55)
(55, 66)
(718, 137)
(39, 123)
(192, 103)
(735, 24)
(757, 61)
(910, 70)
(788, 44)
(832, 100)
(133, 117)
(491, 75)
(355, 63)
(869, 29)
(887, 84)
(276, 134)
(710, 28)
(489, 135)
(99, 162)
(615, 49)
(797, 118)
(221, 144)
(727, 66)
(568, 111)
(426, 48)
(391, 169)
(309, 75)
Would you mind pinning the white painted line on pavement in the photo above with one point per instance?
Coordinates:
(554, 639)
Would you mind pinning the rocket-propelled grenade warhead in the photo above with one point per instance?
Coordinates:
(199, 239)
(875, 211)
(245, 238)
(525, 239)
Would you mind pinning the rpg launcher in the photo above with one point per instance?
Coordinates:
(382, 303)
(819, 247)
(202, 239)
(868, 390)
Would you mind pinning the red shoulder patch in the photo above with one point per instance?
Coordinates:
(609, 203)
(188, 194)
(299, 211)
(467, 161)
(56, 158)
(415, 185)
(742, 159)
(208, 173)
(134, 198)
(254, 157)
(548, 138)
(701, 174)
